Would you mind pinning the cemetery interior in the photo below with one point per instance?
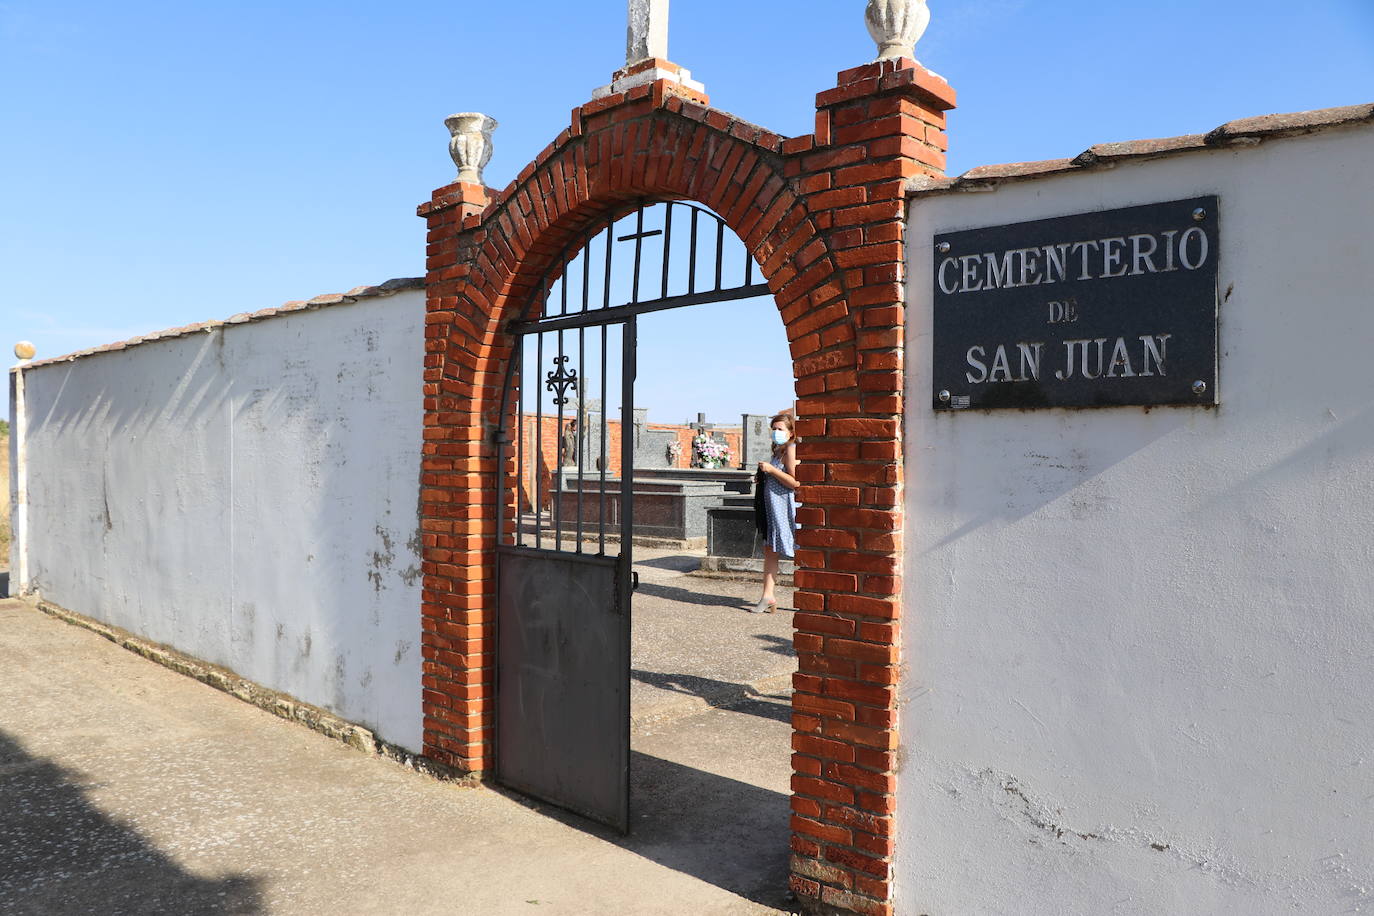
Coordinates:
(693, 482)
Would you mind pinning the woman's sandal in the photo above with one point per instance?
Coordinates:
(764, 607)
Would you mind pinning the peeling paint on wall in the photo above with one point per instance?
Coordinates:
(229, 493)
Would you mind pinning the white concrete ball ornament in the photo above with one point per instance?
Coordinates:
(896, 25)
(470, 145)
(25, 350)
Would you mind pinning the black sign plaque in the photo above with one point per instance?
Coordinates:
(1106, 309)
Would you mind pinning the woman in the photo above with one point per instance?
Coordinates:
(776, 503)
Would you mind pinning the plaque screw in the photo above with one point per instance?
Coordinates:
(944, 395)
(943, 248)
(1199, 214)
(1199, 387)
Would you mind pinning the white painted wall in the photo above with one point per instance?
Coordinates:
(247, 495)
(1139, 646)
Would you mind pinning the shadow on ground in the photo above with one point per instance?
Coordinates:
(777, 645)
(59, 854)
(673, 593)
(720, 830)
(725, 832)
(681, 563)
(719, 693)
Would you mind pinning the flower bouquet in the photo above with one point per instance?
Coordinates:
(709, 453)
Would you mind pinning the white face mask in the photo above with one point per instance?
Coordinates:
(780, 436)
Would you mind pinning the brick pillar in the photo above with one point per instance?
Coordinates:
(458, 518)
(882, 125)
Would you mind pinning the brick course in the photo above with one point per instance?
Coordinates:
(823, 216)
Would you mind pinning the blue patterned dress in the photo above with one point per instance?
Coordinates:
(780, 506)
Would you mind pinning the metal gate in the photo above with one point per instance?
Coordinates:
(567, 531)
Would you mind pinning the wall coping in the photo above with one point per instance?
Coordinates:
(1239, 133)
(388, 288)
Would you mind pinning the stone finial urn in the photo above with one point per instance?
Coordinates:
(470, 145)
(896, 25)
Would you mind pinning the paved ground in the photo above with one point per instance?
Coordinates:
(127, 788)
(692, 645)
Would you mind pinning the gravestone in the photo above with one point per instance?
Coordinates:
(701, 426)
(731, 530)
(651, 445)
(588, 443)
(733, 542)
(756, 443)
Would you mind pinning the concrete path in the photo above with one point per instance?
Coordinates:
(127, 788)
(693, 645)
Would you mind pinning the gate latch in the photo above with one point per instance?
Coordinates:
(634, 580)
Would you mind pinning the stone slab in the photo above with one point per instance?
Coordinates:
(731, 531)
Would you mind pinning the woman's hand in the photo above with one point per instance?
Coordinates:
(766, 468)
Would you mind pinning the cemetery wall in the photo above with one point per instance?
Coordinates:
(247, 493)
(1138, 642)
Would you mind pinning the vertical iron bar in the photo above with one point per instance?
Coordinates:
(627, 408)
(639, 248)
(503, 481)
(605, 456)
(581, 428)
(720, 244)
(558, 471)
(692, 255)
(563, 291)
(610, 237)
(519, 440)
(628, 370)
(538, 438)
(606, 303)
(586, 257)
(667, 245)
(748, 268)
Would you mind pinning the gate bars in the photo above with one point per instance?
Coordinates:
(665, 272)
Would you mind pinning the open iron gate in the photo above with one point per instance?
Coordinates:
(563, 564)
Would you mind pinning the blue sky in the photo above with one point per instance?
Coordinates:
(165, 163)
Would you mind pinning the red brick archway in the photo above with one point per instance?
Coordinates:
(823, 215)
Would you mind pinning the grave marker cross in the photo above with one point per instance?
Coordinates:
(701, 426)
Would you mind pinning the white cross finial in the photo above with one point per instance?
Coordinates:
(647, 35)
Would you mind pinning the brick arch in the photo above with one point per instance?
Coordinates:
(524, 232)
(823, 216)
